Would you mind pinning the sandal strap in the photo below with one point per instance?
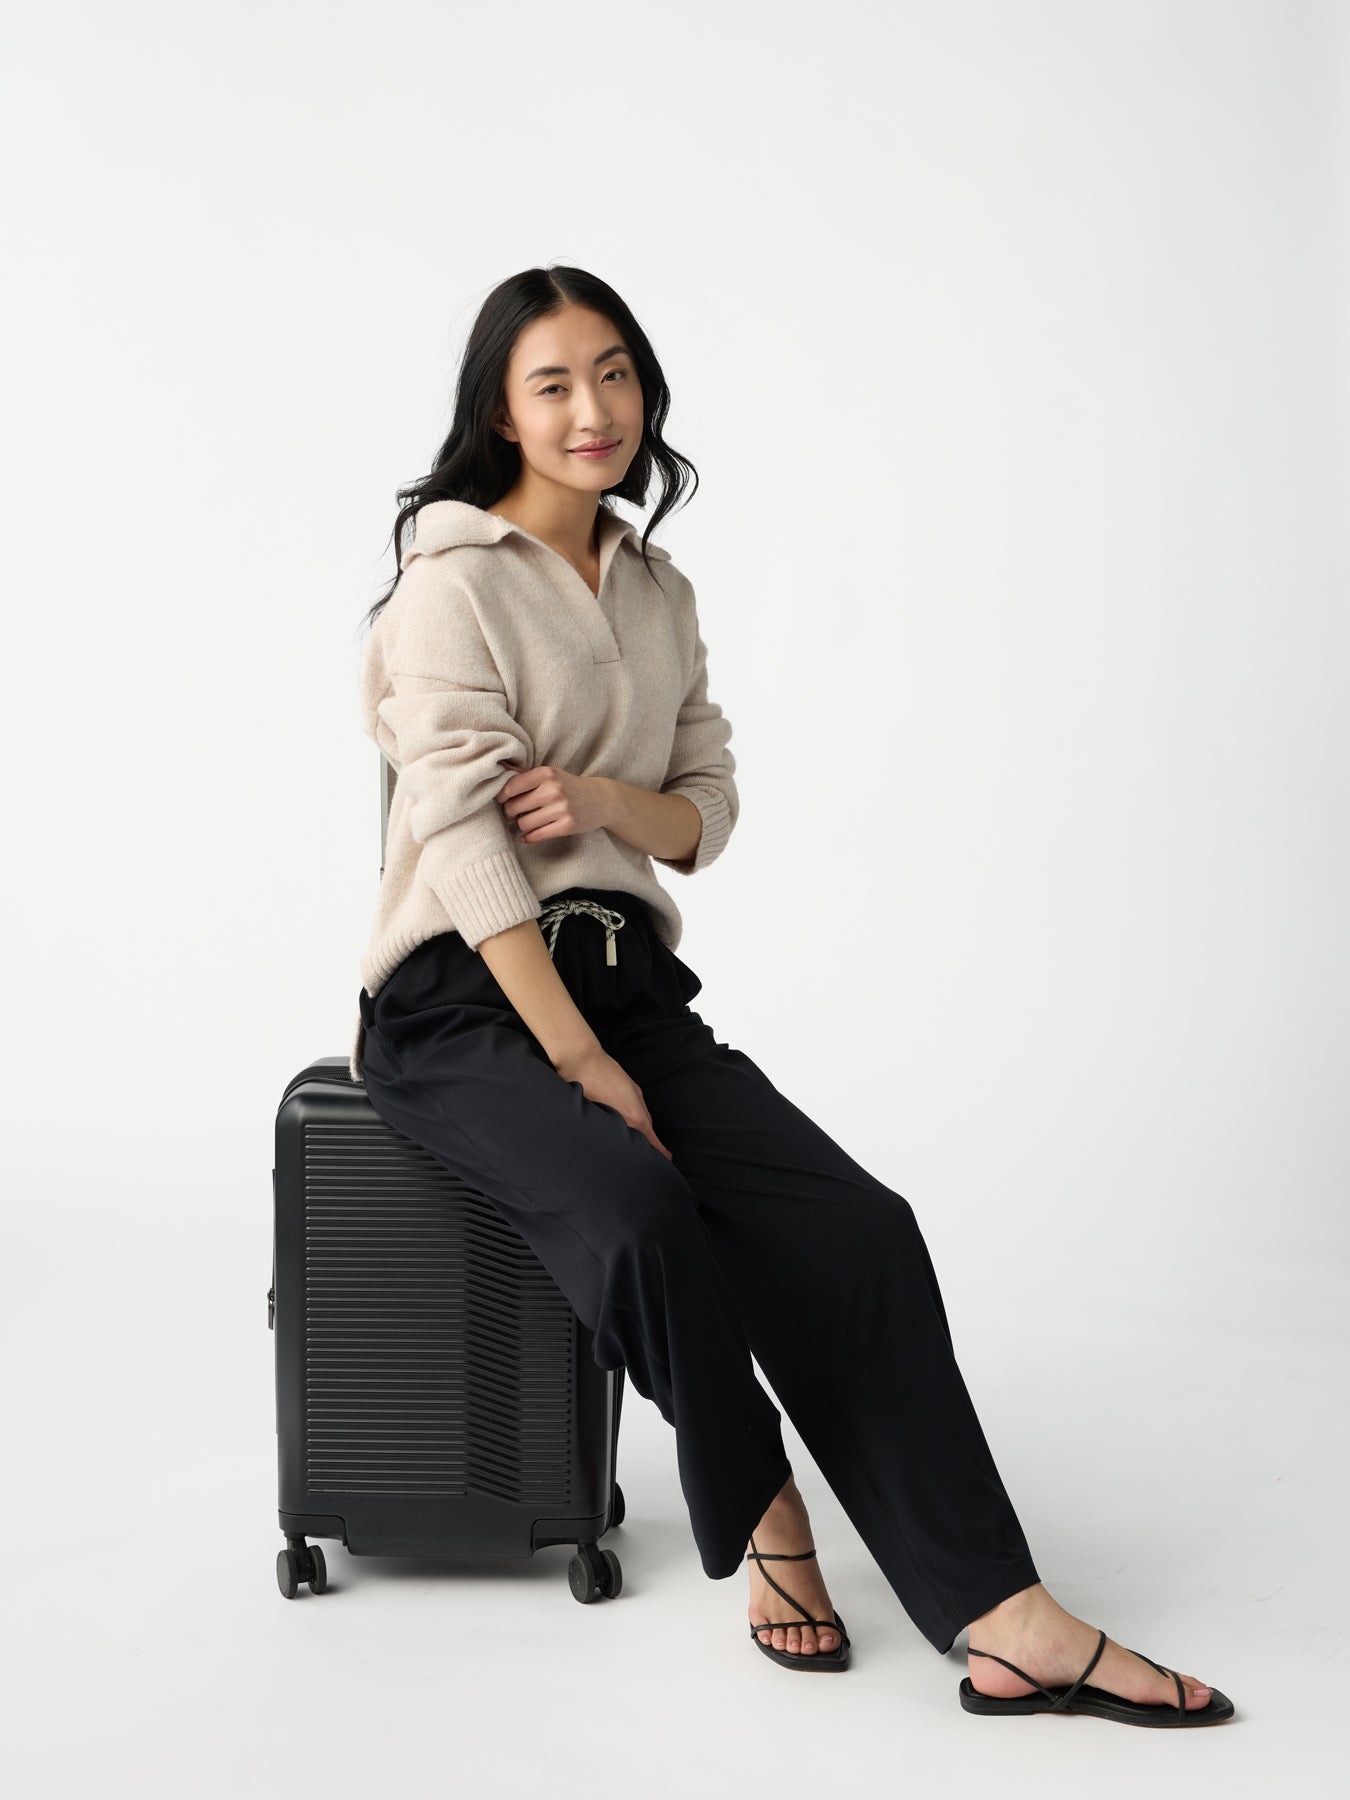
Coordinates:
(778, 1555)
(787, 1556)
(994, 1657)
(834, 1624)
(1181, 1685)
(794, 1624)
(1063, 1700)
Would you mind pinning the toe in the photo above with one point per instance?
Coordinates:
(1197, 1694)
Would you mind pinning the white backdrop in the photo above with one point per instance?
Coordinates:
(1009, 341)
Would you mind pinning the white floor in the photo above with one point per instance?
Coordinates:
(1187, 1496)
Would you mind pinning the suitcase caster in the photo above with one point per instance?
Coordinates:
(593, 1573)
(301, 1562)
(617, 1511)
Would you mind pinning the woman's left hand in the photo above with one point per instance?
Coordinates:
(551, 803)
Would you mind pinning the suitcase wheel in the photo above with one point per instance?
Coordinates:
(593, 1573)
(301, 1562)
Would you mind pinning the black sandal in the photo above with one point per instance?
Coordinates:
(1080, 1699)
(828, 1660)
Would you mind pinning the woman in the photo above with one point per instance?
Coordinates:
(538, 677)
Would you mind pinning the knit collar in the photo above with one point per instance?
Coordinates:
(442, 524)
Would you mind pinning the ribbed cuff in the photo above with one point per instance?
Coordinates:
(488, 896)
(715, 810)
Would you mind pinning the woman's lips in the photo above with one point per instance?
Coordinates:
(598, 452)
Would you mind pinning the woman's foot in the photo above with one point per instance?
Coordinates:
(1034, 1631)
(786, 1528)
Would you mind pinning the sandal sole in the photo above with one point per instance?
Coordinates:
(1097, 1703)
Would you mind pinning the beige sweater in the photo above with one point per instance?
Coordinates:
(493, 647)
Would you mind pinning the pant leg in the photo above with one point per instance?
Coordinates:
(841, 1302)
(451, 1065)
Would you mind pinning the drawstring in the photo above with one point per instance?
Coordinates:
(559, 910)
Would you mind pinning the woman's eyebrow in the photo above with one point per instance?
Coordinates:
(558, 369)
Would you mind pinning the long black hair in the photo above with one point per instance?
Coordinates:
(478, 465)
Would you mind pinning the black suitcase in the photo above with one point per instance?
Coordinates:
(436, 1394)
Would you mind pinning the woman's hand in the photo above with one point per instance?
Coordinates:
(550, 803)
(605, 1081)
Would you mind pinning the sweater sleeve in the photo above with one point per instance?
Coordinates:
(702, 768)
(435, 703)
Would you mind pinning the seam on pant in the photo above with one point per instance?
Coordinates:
(946, 1606)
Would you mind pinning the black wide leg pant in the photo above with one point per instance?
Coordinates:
(763, 1236)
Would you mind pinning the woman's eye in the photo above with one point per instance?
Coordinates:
(555, 386)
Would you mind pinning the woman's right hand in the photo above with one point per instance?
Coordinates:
(609, 1083)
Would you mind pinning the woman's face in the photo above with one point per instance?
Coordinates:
(570, 383)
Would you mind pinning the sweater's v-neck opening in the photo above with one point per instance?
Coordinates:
(588, 612)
